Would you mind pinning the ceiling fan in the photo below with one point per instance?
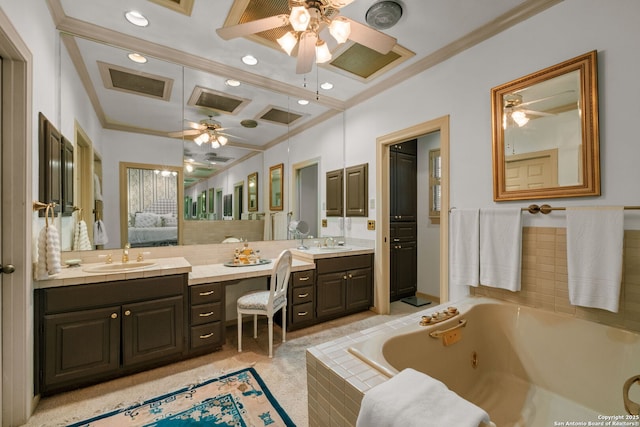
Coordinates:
(514, 109)
(307, 18)
(206, 131)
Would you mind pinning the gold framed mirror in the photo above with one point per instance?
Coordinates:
(545, 133)
(252, 194)
(276, 196)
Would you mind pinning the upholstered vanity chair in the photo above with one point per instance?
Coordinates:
(267, 303)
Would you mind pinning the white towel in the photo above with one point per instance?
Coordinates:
(464, 247)
(267, 227)
(48, 262)
(100, 233)
(594, 256)
(280, 224)
(501, 248)
(413, 399)
(81, 240)
(97, 190)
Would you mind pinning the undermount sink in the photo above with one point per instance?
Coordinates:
(118, 267)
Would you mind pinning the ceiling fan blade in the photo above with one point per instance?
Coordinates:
(252, 27)
(371, 38)
(182, 133)
(546, 98)
(194, 125)
(306, 52)
(537, 113)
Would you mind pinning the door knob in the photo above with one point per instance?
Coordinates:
(7, 269)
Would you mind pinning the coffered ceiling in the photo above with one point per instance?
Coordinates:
(188, 64)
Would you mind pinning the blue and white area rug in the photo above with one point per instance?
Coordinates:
(239, 399)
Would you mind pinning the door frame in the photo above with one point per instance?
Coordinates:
(295, 187)
(382, 267)
(17, 376)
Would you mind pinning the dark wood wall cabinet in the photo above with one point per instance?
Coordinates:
(357, 184)
(90, 333)
(334, 195)
(56, 168)
(403, 250)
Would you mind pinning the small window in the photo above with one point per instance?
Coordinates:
(435, 189)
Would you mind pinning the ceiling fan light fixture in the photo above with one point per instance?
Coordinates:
(340, 29)
(288, 41)
(520, 118)
(222, 139)
(299, 18)
(215, 144)
(201, 139)
(322, 52)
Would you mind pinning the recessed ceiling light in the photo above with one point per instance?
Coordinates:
(136, 57)
(136, 18)
(232, 83)
(303, 102)
(326, 86)
(249, 60)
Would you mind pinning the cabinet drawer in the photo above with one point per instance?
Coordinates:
(344, 263)
(209, 292)
(302, 278)
(302, 312)
(205, 313)
(206, 335)
(302, 295)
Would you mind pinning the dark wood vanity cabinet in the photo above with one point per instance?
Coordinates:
(206, 317)
(403, 185)
(344, 285)
(301, 300)
(403, 262)
(89, 333)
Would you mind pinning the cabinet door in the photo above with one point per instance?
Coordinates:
(404, 269)
(331, 294)
(81, 345)
(334, 192)
(404, 188)
(359, 290)
(357, 190)
(152, 330)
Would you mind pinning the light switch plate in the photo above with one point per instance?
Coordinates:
(371, 224)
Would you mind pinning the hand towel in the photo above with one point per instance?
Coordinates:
(81, 237)
(280, 224)
(464, 247)
(267, 226)
(53, 250)
(501, 248)
(97, 189)
(413, 399)
(100, 233)
(41, 264)
(594, 256)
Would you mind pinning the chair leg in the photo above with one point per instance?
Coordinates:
(239, 332)
(284, 323)
(255, 326)
(270, 336)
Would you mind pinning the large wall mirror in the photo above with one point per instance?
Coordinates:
(252, 192)
(545, 133)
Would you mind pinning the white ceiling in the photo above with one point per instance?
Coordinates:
(187, 50)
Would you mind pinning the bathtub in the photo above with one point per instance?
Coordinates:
(524, 366)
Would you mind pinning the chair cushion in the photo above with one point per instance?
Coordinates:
(258, 300)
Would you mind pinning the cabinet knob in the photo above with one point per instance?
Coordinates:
(350, 276)
(114, 315)
(344, 277)
(127, 313)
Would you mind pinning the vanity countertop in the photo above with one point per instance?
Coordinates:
(219, 272)
(79, 275)
(314, 253)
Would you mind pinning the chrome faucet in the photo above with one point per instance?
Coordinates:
(125, 253)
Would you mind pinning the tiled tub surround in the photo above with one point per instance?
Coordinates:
(337, 380)
(533, 368)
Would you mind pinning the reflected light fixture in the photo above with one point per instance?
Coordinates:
(520, 118)
(189, 168)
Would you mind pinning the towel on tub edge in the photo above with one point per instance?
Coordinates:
(413, 399)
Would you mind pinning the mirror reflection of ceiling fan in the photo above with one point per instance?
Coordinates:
(307, 19)
(518, 112)
(206, 131)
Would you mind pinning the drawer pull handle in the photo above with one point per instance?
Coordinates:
(204, 294)
(204, 337)
(303, 313)
(302, 279)
(206, 314)
(303, 295)
(114, 315)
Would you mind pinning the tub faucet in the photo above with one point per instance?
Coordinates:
(125, 253)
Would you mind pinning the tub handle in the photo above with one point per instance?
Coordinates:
(437, 334)
(632, 407)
